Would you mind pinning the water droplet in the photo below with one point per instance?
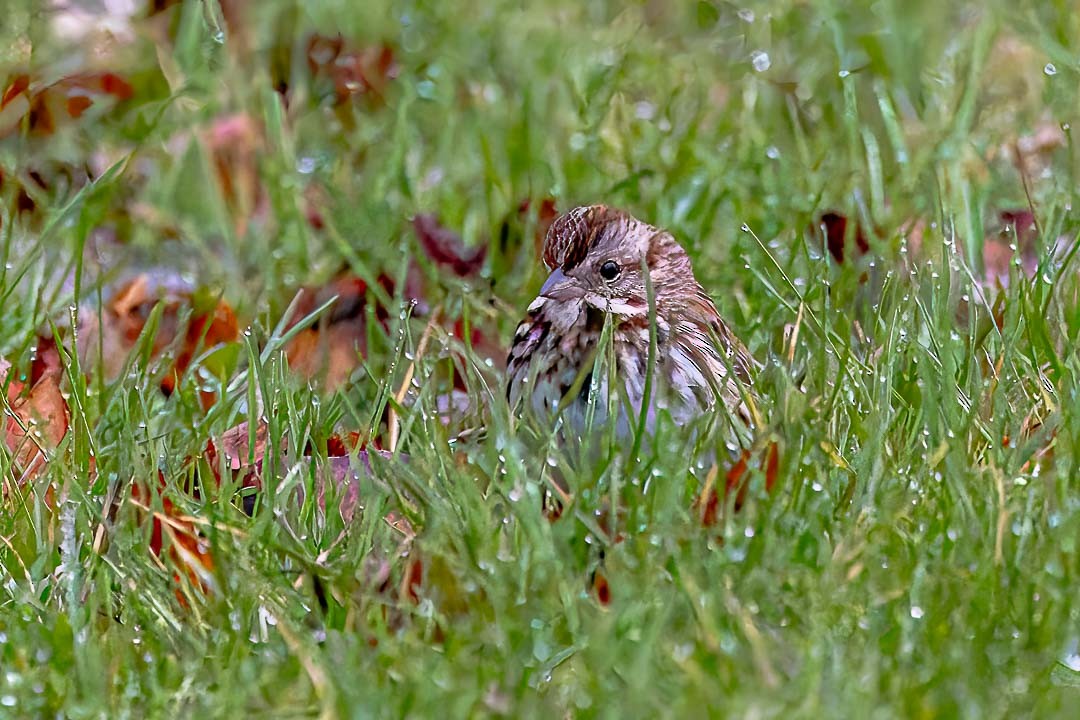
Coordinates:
(746, 15)
(916, 612)
(1049, 69)
(645, 110)
(772, 152)
(745, 227)
(843, 73)
(760, 60)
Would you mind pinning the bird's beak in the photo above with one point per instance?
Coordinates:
(560, 288)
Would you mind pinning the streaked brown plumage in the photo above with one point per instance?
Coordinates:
(595, 255)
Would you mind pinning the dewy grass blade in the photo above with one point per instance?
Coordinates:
(647, 392)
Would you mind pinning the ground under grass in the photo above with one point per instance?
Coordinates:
(920, 554)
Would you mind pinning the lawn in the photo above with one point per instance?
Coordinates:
(261, 263)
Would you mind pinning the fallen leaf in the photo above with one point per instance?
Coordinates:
(709, 502)
(546, 212)
(332, 349)
(351, 72)
(115, 330)
(347, 457)
(235, 144)
(186, 548)
(38, 425)
(42, 108)
(1013, 235)
(446, 248)
(601, 588)
(234, 453)
(839, 238)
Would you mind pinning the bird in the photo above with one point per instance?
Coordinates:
(607, 268)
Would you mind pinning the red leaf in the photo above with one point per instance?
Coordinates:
(446, 247)
(188, 550)
(836, 235)
(18, 85)
(736, 481)
(113, 84)
(601, 588)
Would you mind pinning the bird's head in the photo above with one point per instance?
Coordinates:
(598, 257)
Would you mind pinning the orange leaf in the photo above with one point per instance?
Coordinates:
(39, 425)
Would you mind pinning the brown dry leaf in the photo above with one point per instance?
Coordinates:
(1015, 234)
(188, 550)
(1033, 154)
(235, 143)
(364, 72)
(124, 317)
(233, 451)
(335, 347)
(39, 425)
(42, 108)
(13, 386)
(330, 353)
(27, 183)
(545, 215)
(343, 472)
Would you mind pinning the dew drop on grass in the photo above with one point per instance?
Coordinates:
(1049, 69)
(682, 652)
(916, 612)
(645, 110)
(772, 152)
(843, 73)
(760, 60)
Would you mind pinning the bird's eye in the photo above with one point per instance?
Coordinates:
(609, 270)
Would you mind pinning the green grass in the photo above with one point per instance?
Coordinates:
(908, 563)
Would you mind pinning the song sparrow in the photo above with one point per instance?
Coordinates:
(598, 258)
